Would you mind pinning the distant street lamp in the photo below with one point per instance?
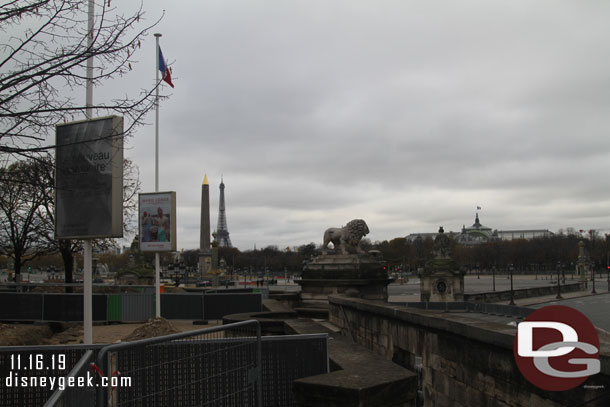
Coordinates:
(608, 259)
(558, 281)
(493, 276)
(512, 302)
(593, 276)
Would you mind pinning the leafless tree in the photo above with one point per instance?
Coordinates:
(22, 204)
(43, 54)
(68, 248)
(27, 213)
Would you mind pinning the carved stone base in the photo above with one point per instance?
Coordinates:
(356, 275)
(442, 281)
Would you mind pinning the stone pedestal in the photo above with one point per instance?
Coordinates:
(356, 275)
(441, 281)
(583, 265)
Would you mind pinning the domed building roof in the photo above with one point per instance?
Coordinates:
(475, 234)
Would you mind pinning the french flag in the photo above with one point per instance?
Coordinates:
(167, 76)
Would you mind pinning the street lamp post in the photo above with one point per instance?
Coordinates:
(608, 260)
(493, 276)
(558, 281)
(593, 277)
(512, 302)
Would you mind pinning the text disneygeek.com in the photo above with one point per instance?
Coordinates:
(61, 382)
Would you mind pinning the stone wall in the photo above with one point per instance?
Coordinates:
(465, 361)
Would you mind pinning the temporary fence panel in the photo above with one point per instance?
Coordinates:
(115, 308)
(216, 306)
(127, 307)
(217, 366)
(69, 307)
(27, 371)
(137, 307)
(21, 306)
(182, 306)
(288, 358)
(75, 396)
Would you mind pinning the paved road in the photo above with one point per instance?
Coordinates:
(596, 307)
(474, 284)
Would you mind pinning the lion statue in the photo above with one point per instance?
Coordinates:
(348, 236)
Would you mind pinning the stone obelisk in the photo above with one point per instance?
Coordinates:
(205, 252)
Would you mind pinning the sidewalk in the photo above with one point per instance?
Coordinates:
(524, 302)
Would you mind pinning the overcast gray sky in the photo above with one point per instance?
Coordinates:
(408, 114)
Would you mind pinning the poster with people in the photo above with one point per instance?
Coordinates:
(157, 221)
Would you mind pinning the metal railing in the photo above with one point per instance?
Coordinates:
(217, 366)
(287, 358)
(30, 374)
(229, 365)
(68, 396)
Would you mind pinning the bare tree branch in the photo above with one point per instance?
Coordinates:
(44, 56)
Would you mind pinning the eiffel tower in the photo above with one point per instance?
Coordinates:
(222, 231)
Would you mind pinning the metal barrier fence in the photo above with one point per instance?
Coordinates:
(291, 357)
(216, 306)
(30, 374)
(217, 366)
(70, 396)
(125, 307)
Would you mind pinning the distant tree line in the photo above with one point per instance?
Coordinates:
(522, 255)
(536, 255)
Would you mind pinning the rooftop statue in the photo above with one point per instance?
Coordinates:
(442, 245)
(346, 238)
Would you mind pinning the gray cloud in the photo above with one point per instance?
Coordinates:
(407, 114)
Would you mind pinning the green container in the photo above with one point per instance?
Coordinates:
(115, 307)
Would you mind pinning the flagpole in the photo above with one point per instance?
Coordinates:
(157, 260)
(87, 246)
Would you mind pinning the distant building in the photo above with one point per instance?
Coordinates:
(478, 233)
(527, 234)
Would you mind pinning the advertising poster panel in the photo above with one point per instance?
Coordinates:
(157, 221)
(89, 179)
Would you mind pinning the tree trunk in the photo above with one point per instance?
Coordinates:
(65, 248)
(17, 269)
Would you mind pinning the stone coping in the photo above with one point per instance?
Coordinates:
(484, 331)
(363, 378)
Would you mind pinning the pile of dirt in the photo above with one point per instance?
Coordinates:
(24, 334)
(154, 327)
(71, 334)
